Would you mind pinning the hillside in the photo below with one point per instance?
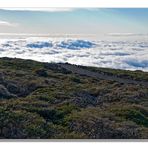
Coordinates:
(58, 101)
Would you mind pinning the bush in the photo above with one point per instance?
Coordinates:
(41, 72)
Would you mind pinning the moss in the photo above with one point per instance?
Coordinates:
(137, 117)
(136, 114)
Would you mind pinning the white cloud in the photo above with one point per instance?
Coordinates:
(128, 34)
(119, 54)
(40, 9)
(5, 23)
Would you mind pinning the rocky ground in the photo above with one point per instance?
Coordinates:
(50, 101)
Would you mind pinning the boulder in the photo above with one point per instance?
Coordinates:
(4, 93)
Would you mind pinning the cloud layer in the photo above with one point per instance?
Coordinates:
(125, 54)
(8, 24)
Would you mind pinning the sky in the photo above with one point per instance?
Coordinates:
(73, 21)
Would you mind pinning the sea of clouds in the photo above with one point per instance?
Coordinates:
(119, 54)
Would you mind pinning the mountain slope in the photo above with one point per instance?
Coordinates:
(48, 100)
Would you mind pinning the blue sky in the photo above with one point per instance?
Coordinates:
(73, 21)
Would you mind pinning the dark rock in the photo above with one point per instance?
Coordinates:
(13, 88)
(1, 77)
(84, 99)
(4, 93)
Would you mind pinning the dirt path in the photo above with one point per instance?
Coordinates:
(81, 71)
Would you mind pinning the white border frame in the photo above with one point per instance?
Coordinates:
(75, 3)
